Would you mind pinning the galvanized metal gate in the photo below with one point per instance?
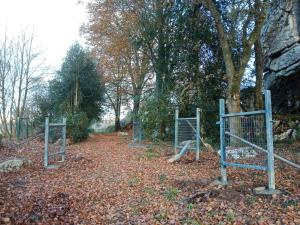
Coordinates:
(187, 130)
(55, 141)
(137, 133)
(22, 128)
(249, 134)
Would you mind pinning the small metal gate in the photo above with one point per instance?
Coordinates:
(187, 130)
(55, 141)
(22, 128)
(249, 134)
(137, 132)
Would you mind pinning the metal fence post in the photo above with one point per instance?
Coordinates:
(140, 132)
(198, 134)
(64, 133)
(222, 141)
(27, 132)
(46, 142)
(176, 130)
(133, 130)
(18, 128)
(271, 173)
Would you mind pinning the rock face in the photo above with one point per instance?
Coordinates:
(281, 48)
(13, 165)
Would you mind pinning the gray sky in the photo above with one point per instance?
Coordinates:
(55, 22)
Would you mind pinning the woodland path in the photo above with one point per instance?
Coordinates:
(104, 181)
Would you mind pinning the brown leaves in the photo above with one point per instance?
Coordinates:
(103, 181)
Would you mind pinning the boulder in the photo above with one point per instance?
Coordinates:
(280, 41)
(289, 134)
(14, 165)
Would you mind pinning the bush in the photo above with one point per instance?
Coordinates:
(77, 126)
(151, 117)
(1, 137)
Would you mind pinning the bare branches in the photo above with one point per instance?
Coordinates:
(19, 72)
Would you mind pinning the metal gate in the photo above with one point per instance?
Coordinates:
(55, 141)
(249, 134)
(137, 132)
(187, 130)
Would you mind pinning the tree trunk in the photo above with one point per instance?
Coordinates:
(117, 121)
(259, 69)
(136, 105)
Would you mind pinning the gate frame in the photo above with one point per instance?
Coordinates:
(197, 131)
(62, 151)
(270, 149)
(140, 132)
(18, 127)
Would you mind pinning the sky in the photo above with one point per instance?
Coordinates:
(55, 23)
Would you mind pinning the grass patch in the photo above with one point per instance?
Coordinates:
(230, 216)
(250, 200)
(190, 206)
(172, 193)
(190, 221)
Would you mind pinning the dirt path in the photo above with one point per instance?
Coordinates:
(104, 181)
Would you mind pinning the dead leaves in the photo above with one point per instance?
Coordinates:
(104, 181)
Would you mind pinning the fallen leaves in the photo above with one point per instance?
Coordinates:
(104, 181)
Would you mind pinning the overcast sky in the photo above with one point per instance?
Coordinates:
(56, 24)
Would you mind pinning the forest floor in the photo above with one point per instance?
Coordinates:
(105, 181)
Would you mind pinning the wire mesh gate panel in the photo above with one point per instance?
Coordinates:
(246, 140)
(187, 130)
(55, 142)
(22, 128)
(137, 132)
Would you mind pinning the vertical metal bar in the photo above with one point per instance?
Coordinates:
(133, 131)
(18, 128)
(222, 141)
(140, 132)
(26, 128)
(176, 130)
(64, 134)
(271, 173)
(46, 142)
(198, 134)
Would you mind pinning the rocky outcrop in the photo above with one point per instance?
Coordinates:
(281, 48)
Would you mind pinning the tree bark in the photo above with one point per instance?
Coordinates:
(259, 69)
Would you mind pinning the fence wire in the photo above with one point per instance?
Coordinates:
(251, 128)
(55, 146)
(187, 132)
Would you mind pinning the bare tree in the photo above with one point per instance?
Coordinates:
(21, 67)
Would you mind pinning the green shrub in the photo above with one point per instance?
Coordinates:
(77, 126)
(1, 137)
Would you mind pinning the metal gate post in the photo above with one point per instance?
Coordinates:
(222, 141)
(64, 132)
(140, 132)
(198, 134)
(27, 131)
(18, 128)
(46, 142)
(176, 130)
(271, 173)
